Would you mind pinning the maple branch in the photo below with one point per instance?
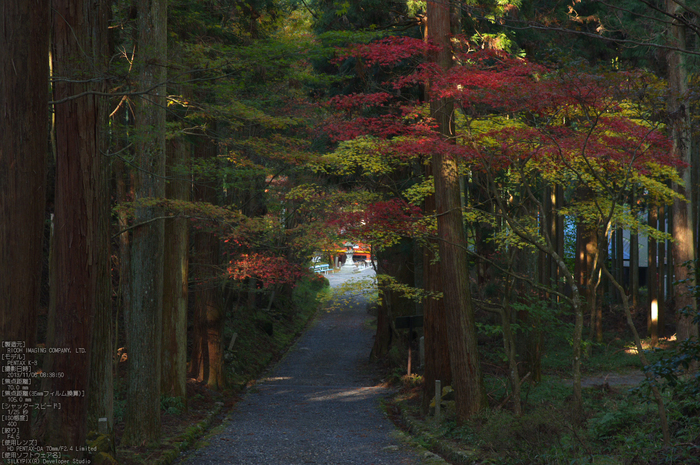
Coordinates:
(303, 2)
(521, 232)
(134, 226)
(515, 225)
(521, 277)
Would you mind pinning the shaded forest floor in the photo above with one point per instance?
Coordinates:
(180, 429)
(261, 339)
(619, 426)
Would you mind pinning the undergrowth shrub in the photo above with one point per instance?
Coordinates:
(309, 292)
(524, 436)
(614, 423)
(172, 405)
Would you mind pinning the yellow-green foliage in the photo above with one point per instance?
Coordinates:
(419, 191)
(303, 192)
(358, 155)
(404, 290)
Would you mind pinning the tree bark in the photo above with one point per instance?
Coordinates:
(396, 262)
(209, 308)
(175, 285)
(207, 355)
(24, 83)
(464, 358)
(683, 248)
(661, 270)
(437, 354)
(142, 415)
(81, 235)
(620, 270)
(634, 259)
(124, 187)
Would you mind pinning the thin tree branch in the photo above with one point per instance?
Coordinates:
(600, 37)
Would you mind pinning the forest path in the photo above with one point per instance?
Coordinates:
(319, 405)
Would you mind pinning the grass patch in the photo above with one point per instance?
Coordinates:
(617, 355)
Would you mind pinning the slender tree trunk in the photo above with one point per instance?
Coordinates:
(24, 84)
(661, 269)
(679, 114)
(142, 415)
(590, 278)
(613, 268)
(670, 273)
(209, 305)
(464, 358)
(558, 222)
(642, 357)
(207, 355)
(547, 228)
(634, 259)
(175, 286)
(530, 344)
(620, 246)
(509, 344)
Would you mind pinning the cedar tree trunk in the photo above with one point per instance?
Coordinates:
(175, 286)
(24, 83)
(683, 248)
(142, 415)
(464, 358)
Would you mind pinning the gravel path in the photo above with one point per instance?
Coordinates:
(318, 406)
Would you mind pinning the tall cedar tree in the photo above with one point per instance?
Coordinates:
(142, 416)
(175, 286)
(24, 83)
(80, 252)
(459, 314)
(207, 344)
(678, 109)
(435, 329)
